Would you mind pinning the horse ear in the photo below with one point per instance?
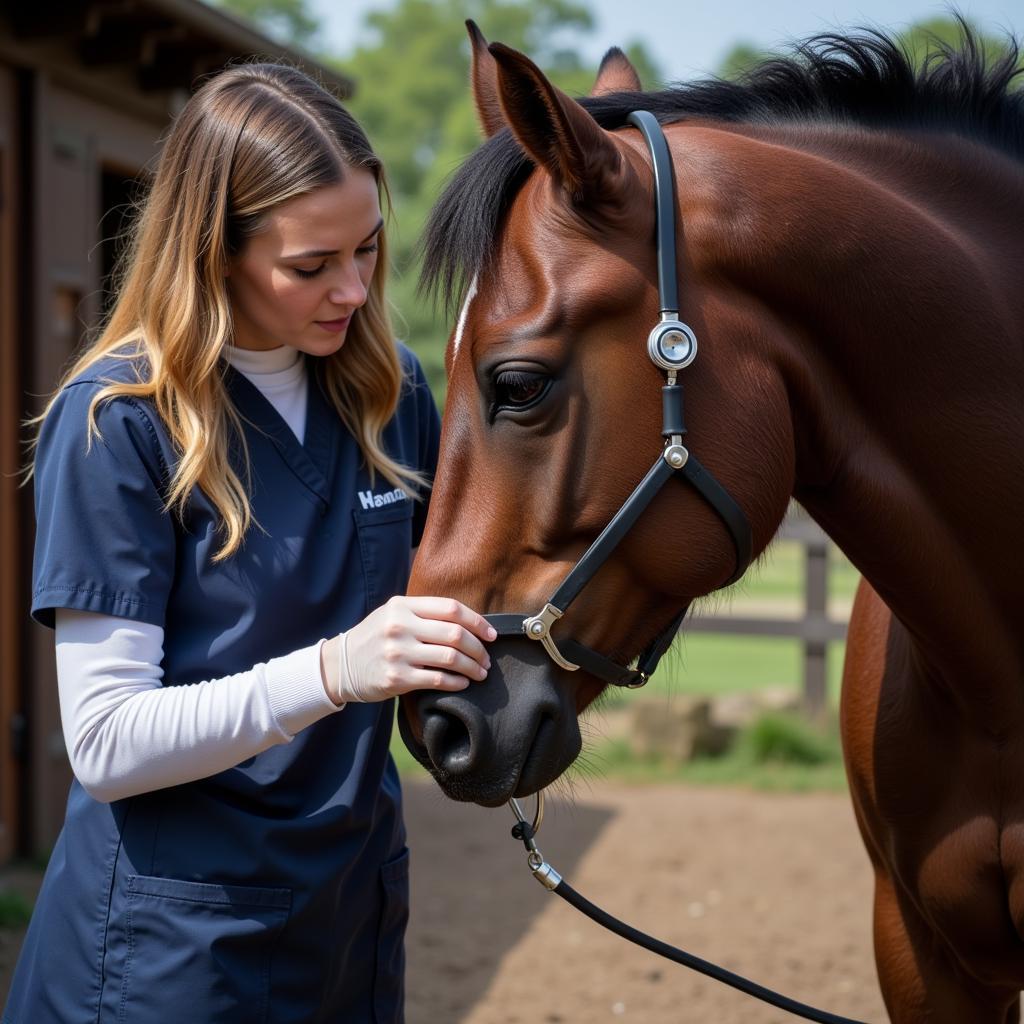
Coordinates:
(554, 129)
(616, 74)
(484, 76)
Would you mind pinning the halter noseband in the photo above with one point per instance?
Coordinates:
(671, 346)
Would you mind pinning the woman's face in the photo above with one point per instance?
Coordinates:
(299, 280)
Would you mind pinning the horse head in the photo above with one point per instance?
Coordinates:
(554, 411)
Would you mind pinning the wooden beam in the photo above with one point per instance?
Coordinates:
(45, 20)
(118, 36)
(174, 60)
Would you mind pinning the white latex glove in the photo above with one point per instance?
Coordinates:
(408, 643)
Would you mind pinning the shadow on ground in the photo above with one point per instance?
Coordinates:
(473, 896)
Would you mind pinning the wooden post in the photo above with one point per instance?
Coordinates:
(816, 610)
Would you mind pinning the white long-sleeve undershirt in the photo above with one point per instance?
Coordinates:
(125, 732)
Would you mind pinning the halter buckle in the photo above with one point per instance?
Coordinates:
(672, 344)
(538, 627)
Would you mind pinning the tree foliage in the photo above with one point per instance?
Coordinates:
(922, 40)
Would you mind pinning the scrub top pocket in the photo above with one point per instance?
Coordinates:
(389, 989)
(197, 951)
(385, 546)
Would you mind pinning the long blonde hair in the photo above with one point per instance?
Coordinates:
(254, 136)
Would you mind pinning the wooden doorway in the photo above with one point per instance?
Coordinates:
(12, 605)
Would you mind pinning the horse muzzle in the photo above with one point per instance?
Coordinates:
(510, 735)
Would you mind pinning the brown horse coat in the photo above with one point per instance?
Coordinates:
(851, 257)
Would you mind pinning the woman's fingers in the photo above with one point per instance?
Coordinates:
(447, 609)
(430, 643)
(433, 679)
(448, 659)
(453, 636)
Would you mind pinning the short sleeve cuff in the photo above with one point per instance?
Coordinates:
(296, 690)
(96, 599)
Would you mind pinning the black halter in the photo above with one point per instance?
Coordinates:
(672, 346)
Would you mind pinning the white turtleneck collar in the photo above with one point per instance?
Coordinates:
(280, 374)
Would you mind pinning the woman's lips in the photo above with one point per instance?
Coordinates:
(334, 325)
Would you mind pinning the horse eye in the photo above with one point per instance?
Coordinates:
(519, 389)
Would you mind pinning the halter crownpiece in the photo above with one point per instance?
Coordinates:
(672, 346)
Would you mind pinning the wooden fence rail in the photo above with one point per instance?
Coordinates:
(814, 628)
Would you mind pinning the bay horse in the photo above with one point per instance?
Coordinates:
(851, 262)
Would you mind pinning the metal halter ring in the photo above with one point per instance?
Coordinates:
(538, 816)
(672, 344)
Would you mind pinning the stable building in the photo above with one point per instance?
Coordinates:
(87, 90)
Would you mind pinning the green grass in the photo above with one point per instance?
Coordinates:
(710, 664)
(15, 910)
(776, 752)
(407, 765)
(615, 761)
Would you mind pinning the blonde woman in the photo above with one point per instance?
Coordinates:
(228, 487)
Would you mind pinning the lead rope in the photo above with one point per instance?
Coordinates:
(526, 832)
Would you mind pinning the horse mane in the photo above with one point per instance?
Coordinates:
(867, 79)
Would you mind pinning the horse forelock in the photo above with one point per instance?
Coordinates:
(867, 79)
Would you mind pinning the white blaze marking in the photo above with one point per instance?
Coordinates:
(461, 326)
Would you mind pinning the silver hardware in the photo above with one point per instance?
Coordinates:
(538, 627)
(644, 678)
(547, 876)
(672, 344)
(676, 455)
(542, 871)
(538, 814)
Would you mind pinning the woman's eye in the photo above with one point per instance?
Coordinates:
(309, 273)
(519, 389)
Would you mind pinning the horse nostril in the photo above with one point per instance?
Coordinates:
(448, 742)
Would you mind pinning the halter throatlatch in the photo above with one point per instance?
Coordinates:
(672, 346)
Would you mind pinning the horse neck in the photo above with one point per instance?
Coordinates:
(894, 291)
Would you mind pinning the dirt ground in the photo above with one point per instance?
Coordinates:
(775, 887)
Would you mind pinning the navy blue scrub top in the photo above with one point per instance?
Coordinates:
(275, 891)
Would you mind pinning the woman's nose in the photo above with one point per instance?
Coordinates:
(349, 289)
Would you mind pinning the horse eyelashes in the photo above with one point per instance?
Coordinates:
(518, 389)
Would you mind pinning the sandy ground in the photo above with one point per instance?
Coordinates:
(775, 887)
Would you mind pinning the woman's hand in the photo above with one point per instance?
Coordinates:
(409, 643)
